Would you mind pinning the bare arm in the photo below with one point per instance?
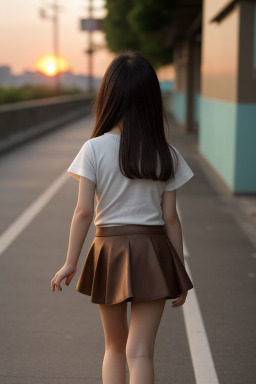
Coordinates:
(81, 220)
(174, 233)
(172, 222)
(80, 224)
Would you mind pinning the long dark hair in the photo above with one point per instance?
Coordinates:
(130, 92)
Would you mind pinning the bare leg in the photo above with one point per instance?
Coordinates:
(145, 319)
(114, 321)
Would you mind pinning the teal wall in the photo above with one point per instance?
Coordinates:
(246, 148)
(178, 107)
(166, 85)
(227, 137)
(196, 103)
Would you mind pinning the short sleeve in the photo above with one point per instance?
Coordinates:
(182, 175)
(84, 163)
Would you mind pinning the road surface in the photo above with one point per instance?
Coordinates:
(49, 338)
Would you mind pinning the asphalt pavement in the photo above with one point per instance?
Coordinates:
(58, 337)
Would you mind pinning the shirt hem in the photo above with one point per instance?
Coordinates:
(80, 172)
(180, 182)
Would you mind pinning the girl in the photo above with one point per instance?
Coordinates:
(137, 252)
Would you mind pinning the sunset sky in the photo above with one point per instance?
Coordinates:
(25, 37)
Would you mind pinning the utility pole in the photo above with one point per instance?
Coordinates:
(90, 24)
(55, 7)
(90, 49)
(55, 20)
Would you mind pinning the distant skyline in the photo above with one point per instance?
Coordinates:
(25, 37)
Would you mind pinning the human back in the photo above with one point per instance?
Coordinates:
(121, 200)
(127, 155)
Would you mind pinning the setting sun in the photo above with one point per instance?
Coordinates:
(50, 66)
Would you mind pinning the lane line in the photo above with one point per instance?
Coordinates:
(185, 249)
(202, 360)
(203, 364)
(13, 231)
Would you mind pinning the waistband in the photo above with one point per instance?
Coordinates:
(128, 229)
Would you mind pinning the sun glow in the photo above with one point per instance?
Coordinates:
(50, 65)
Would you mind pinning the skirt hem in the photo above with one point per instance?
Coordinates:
(168, 297)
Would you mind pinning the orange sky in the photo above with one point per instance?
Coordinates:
(25, 37)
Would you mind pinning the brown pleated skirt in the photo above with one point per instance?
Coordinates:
(132, 262)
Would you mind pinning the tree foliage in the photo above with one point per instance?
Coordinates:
(140, 25)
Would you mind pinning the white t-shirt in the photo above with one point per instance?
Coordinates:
(120, 200)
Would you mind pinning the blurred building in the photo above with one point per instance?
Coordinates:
(5, 76)
(67, 79)
(214, 92)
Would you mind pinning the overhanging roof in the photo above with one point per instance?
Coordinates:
(186, 22)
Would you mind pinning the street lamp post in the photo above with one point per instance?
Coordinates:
(90, 50)
(55, 20)
(90, 24)
(55, 7)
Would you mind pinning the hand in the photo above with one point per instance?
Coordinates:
(67, 271)
(181, 300)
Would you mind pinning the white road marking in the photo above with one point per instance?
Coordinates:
(185, 249)
(10, 234)
(203, 365)
(202, 360)
(198, 343)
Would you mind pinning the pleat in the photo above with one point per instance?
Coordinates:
(86, 278)
(173, 270)
(112, 277)
(147, 277)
